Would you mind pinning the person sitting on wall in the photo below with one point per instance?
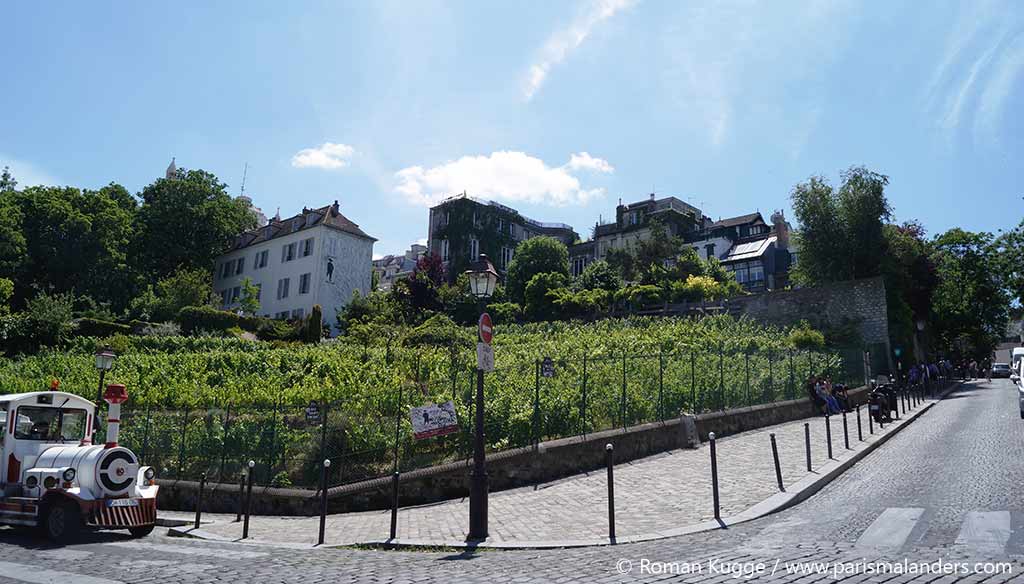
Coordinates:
(841, 395)
(812, 393)
(823, 388)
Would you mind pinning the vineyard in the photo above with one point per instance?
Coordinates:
(205, 405)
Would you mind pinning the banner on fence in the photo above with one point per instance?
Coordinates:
(433, 420)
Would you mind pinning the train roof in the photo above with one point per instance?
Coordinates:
(32, 396)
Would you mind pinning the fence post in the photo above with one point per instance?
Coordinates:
(846, 432)
(610, 464)
(224, 442)
(792, 378)
(746, 369)
(323, 500)
(828, 435)
(583, 403)
(248, 498)
(693, 380)
(778, 467)
(181, 444)
(199, 499)
(145, 434)
(860, 432)
(536, 404)
(323, 432)
(721, 377)
(661, 384)
(807, 444)
(395, 477)
(714, 475)
(624, 425)
(242, 477)
(871, 422)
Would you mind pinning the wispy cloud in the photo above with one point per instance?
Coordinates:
(992, 102)
(563, 42)
(26, 173)
(505, 176)
(729, 58)
(328, 156)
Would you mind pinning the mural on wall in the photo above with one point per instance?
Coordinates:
(346, 268)
(330, 269)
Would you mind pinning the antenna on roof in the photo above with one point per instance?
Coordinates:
(245, 171)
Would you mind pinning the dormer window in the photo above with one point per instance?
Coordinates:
(296, 224)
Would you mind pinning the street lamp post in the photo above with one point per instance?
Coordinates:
(104, 362)
(482, 279)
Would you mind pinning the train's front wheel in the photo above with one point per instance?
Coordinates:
(61, 521)
(138, 532)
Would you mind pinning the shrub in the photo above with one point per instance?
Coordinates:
(804, 338)
(313, 329)
(539, 304)
(207, 318)
(6, 292)
(94, 327)
(438, 331)
(505, 312)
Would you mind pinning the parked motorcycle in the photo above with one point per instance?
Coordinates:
(882, 401)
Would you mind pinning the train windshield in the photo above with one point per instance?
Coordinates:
(50, 424)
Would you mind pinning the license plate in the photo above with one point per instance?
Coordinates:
(123, 503)
(874, 408)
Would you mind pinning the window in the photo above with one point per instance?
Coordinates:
(578, 265)
(236, 293)
(506, 257)
(444, 250)
(307, 247)
(239, 266)
(501, 225)
(298, 313)
(283, 315)
(634, 217)
(304, 284)
(474, 249)
(709, 251)
(261, 259)
(225, 297)
(225, 269)
(288, 253)
(282, 288)
(50, 424)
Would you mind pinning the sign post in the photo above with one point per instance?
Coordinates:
(484, 351)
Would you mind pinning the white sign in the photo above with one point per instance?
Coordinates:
(484, 357)
(433, 420)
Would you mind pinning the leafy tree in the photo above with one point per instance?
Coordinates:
(1010, 248)
(540, 304)
(537, 255)
(622, 260)
(7, 182)
(6, 292)
(250, 301)
(186, 222)
(12, 238)
(657, 247)
(910, 279)
(841, 235)
(313, 330)
(969, 303)
(599, 275)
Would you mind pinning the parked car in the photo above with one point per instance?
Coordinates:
(1001, 370)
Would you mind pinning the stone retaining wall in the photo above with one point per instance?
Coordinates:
(507, 469)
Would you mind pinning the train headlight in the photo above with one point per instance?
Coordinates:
(150, 474)
(32, 482)
(50, 482)
(69, 475)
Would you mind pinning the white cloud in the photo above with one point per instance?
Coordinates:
(328, 156)
(584, 161)
(26, 173)
(564, 41)
(507, 176)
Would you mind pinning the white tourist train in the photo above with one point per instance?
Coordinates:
(54, 478)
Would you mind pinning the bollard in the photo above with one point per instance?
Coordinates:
(394, 505)
(860, 432)
(871, 423)
(323, 500)
(199, 498)
(778, 468)
(846, 432)
(714, 476)
(828, 435)
(610, 463)
(807, 444)
(241, 496)
(248, 498)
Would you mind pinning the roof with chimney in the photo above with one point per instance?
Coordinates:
(328, 216)
(747, 219)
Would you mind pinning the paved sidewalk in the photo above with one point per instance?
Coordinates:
(657, 493)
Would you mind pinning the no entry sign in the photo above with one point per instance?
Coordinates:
(485, 328)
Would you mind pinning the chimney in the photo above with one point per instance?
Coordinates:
(334, 208)
(115, 395)
(781, 230)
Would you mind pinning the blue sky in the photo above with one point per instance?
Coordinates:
(556, 108)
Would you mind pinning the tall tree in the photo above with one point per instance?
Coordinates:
(186, 222)
(537, 255)
(840, 235)
(970, 304)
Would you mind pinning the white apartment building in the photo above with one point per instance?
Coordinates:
(316, 257)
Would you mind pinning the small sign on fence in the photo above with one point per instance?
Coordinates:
(313, 412)
(433, 420)
(547, 367)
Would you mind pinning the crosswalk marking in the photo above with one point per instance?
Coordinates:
(985, 530)
(37, 575)
(891, 529)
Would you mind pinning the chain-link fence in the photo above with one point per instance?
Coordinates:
(525, 403)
